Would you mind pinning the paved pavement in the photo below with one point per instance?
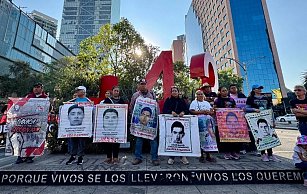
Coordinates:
(94, 163)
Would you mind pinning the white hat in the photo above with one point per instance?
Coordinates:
(81, 88)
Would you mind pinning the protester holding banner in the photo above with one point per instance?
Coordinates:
(223, 101)
(143, 92)
(299, 156)
(177, 107)
(299, 108)
(75, 113)
(240, 99)
(37, 92)
(112, 149)
(257, 102)
(201, 107)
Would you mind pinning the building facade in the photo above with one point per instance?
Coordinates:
(22, 39)
(48, 23)
(239, 34)
(83, 18)
(178, 49)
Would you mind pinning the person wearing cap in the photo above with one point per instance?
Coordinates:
(144, 92)
(37, 92)
(257, 102)
(210, 96)
(299, 108)
(76, 145)
(299, 156)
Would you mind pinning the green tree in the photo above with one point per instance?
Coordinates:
(183, 80)
(227, 77)
(19, 80)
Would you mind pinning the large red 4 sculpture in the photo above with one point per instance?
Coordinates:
(201, 66)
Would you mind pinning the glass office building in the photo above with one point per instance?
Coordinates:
(193, 34)
(238, 34)
(21, 39)
(83, 18)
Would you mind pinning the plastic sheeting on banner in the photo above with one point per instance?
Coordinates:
(110, 123)
(76, 120)
(261, 125)
(206, 125)
(27, 126)
(179, 136)
(232, 125)
(144, 119)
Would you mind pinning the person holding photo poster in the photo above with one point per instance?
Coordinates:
(145, 114)
(37, 92)
(75, 113)
(231, 149)
(200, 107)
(176, 106)
(257, 102)
(299, 108)
(110, 119)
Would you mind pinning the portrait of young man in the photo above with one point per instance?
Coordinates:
(75, 115)
(110, 119)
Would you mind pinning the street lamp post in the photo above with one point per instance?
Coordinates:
(244, 67)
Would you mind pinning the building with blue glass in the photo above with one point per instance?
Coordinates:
(83, 18)
(21, 39)
(238, 34)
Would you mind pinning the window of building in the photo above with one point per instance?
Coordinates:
(222, 39)
(220, 24)
(227, 33)
(226, 25)
(219, 43)
(228, 43)
(224, 18)
(230, 52)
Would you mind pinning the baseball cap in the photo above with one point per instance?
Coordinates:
(301, 140)
(256, 86)
(143, 81)
(38, 84)
(81, 88)
(205, 85)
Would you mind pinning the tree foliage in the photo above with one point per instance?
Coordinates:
(227, 77)
(183, 80)
(19, 80)
(112, 51)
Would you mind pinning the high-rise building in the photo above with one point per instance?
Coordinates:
(48, 23)
(178, 49)
(22, 39)
(238, 34)
(83, 18)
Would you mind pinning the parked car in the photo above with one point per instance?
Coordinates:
(286, 118)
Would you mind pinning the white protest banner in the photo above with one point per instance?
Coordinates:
(110, 123)
(27, 126)
(178, 136)
(4, 128)
(261, 125)
(76, 120)
(206, 125)
(144, 119)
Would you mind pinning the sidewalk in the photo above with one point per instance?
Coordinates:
(94, 163)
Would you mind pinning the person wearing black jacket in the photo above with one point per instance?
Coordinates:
(177, 107)
(234, 93)
(112, 149)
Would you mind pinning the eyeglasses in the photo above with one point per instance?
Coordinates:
(298, 90)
